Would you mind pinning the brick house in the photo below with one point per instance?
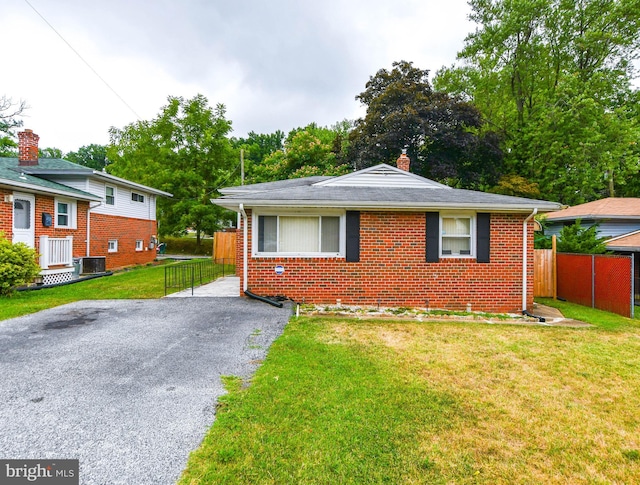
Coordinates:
(385, 236)
(67, 211)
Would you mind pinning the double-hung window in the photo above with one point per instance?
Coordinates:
(65, 214)
(110, 195)
(299, 235)
(457, 233)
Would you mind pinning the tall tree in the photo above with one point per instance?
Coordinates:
(10, 111)
(442, 134)
(92, 156)
(307, 151)
(552, 76)
(50, 152)
(184, 151)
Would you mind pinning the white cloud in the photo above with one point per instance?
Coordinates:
(275, 65)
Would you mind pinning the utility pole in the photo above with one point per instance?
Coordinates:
(242, 166)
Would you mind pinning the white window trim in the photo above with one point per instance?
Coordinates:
(332, 213)
(115, 195)
(141, 245)
(115, 248)
(138, 194)
(72, 215)
(473, 242)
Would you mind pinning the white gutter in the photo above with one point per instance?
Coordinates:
(525, 226)
(89, 226)
(245, 237)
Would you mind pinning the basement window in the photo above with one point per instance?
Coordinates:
(112, 246)
(299, 235)
(139, 245)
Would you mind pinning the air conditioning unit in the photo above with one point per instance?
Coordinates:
(94, 264)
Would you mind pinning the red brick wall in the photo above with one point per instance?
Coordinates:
(45, 203)
(126, 230)
(6, 215)
(392, 269)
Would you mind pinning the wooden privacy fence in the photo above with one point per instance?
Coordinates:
(224, 246)
(544, 276)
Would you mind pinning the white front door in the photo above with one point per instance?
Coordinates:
(23, 215)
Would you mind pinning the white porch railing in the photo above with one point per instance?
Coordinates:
(56, 251)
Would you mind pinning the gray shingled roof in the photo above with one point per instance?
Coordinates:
(302, 193)
(11, 175)
(9, 170)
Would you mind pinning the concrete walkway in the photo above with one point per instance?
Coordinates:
(227, 286)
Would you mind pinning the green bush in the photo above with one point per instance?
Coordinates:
(188, 245)
(18, 265)
(584, 240)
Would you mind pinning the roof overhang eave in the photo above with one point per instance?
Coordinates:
(234, 204)
(12, 185)
(146, 188)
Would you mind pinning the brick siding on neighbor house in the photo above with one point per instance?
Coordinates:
(392, 269)
(126, 231)
(46, 204)
(6, 214)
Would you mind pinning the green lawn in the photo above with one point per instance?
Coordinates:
(346, 401)
(134, 283)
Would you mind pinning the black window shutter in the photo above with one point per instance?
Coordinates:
(260, 233)
(433, 237)
(353, 236)
(484, 238)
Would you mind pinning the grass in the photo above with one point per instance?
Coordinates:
(135, 283)
(604, 320)
(345, 401)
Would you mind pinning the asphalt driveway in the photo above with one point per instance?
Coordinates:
(128, 387)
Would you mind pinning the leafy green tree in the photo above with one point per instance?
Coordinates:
(553, 78)
(307, 151)
(92, 156)
(10, 111)
(49, 153)
(184, 151)
(18, 265)
(444, 135)
(578, 239)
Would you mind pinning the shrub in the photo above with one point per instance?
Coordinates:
(18, 265)
(578, 239)
(188, 245)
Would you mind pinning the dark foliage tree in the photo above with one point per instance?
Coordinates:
(444, 135)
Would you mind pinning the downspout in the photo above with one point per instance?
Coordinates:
(89, 227)
(244, 248)
(525, 238)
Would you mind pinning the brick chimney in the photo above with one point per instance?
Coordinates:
(403, 161)
(27, 148)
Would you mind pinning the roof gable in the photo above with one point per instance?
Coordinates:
(382, 175)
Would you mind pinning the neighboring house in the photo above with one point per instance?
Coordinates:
(385, 236)
(66, 211)
(618, 219)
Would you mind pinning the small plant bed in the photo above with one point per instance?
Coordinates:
(415, 314)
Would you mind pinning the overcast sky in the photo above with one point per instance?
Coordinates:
(275, 64)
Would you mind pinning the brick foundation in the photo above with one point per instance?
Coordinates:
(392, 270)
